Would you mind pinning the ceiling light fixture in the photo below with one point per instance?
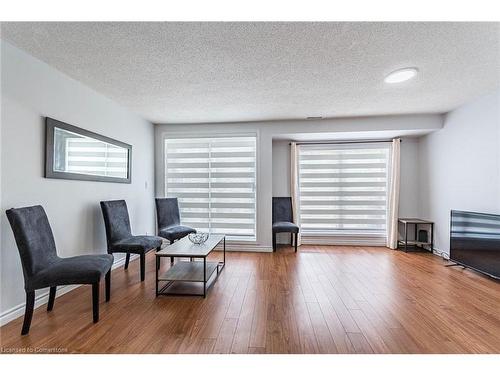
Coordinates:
(401, 75)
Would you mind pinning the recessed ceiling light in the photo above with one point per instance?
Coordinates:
(401, 75)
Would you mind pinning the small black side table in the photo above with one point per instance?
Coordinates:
(415, 244)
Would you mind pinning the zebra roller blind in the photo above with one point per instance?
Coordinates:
(214, 180)
(343, 189)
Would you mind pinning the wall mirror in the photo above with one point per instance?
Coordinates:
(78, 154)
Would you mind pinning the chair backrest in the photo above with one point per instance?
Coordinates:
(167, 212)
(34, 238)
(116, 220)
(282, 209)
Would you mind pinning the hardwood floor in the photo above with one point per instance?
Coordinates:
(323, 299)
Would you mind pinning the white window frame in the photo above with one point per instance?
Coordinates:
(169, 135)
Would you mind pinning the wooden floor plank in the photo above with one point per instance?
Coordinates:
(225, 337)
(241, 340)
(307, 339)
(258, 333)
(321, 331)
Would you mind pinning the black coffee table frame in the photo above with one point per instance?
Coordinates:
(189, 271)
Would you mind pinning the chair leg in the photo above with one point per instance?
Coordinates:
(274, 241)
(108, 285)
(28, 314)
(143, 266)
(52, 297)
(296, 240)
(171, 258)
(127, 259)
(95, 302)
(158, 263)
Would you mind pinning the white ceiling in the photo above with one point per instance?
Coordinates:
(218, 72)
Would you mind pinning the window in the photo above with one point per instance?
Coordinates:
(343, 189)
(214, 180)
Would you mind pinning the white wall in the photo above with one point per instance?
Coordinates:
(269, 170)
(32, 90)
(408, 190)
(281, 168)
(460, 165)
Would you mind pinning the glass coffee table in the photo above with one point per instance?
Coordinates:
(186, 277)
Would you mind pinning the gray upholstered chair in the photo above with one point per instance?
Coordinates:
(283, 219)
(42, 268)
(119, 235)
(169, 220)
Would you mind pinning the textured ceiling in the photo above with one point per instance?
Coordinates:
(215, 72)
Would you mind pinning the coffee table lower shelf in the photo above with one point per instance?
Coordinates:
(182, 277)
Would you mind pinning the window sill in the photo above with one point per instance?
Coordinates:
(344, 239)
(343, 234)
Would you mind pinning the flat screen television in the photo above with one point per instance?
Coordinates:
(475, 241)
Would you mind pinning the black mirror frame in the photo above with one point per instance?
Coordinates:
(51, 124)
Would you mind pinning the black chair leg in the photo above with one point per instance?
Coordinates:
(28, 314)
(158, 263)
(171, 258)
(52, 297)
(296, 241)
(143, 266)
(95, 302)
(108, 285)
(274, 241)
(127, 259)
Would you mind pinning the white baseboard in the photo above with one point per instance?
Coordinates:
(17, 311)
(441, 254)
(250, 247)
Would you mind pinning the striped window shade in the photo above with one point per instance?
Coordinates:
(214, 180)
(343, 189)
(91, 156)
